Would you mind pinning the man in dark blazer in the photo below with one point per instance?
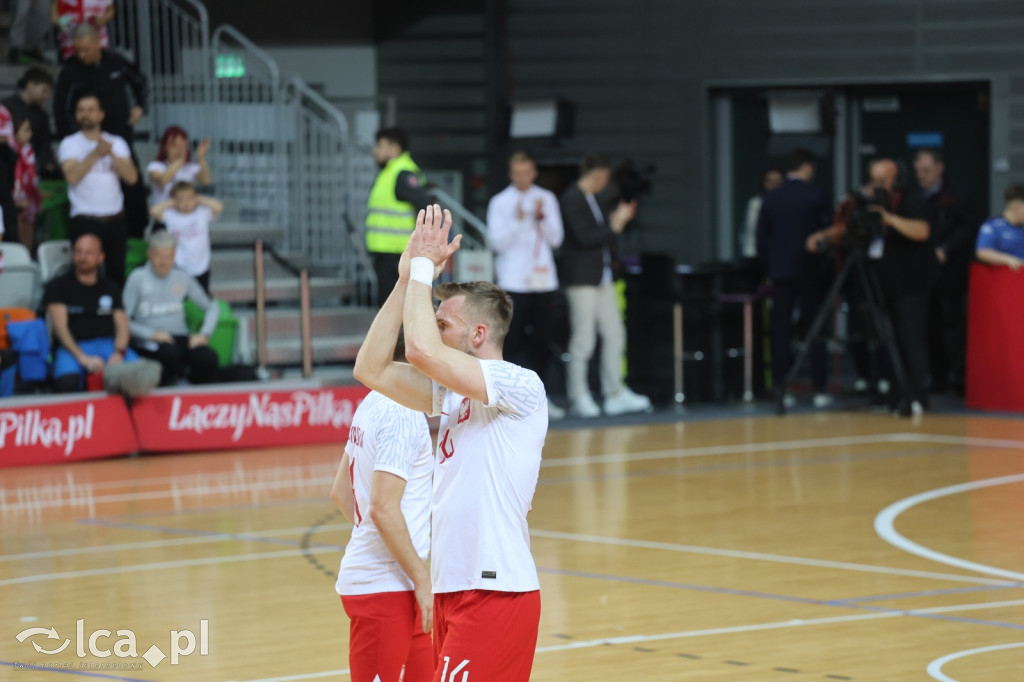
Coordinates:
(790, 216)
(585, 272)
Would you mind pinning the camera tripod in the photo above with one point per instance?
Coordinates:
(855, 263)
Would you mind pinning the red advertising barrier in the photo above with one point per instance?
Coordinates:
(995, 329)
(256, 418)
(47, 431)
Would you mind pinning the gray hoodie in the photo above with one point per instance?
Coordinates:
(157, 303)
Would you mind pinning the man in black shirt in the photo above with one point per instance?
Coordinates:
(105, 73)
(954, 228)
(907, 271)
(88, 318)
(34, 88)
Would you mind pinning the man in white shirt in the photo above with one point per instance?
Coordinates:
(493, 424)
(383, 488)
(524, 225)
(94, 164)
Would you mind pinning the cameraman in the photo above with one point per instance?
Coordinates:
(906, 268)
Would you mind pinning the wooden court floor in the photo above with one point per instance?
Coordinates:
(842, 546)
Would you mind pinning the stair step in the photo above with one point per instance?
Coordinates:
(325, 349)
(226, 233)
(279, 289)
(284, 322)
(232, 264)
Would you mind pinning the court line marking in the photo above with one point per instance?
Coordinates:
(777, 558)
(885, 526)
(28, 668)
(152, 544)
(235, 487)
(935, 667)
(181, 563)
(775, 625)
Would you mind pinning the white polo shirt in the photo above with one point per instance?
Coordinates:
(485, 474)
(524, 228)
(99, 192)
(386, 437)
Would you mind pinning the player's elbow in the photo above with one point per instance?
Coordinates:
(381, 515)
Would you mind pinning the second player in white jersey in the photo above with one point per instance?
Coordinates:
(481, 541)
(385, 437)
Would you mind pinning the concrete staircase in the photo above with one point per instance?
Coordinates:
(337, 326)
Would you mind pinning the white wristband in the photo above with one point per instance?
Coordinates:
(421, 269)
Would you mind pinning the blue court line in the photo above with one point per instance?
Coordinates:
(204, 533)
(929, 593)
(776, 597)
(29, 668)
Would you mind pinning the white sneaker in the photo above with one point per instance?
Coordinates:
(585, 407)
(823, 400)
(626, 401)
(555, 412)
(860, 385)
(884, 386)
(916, 408)
(789, 401)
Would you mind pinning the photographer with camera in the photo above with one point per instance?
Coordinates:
(798, 272)
(891, 223)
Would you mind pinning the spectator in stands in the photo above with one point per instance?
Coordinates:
(95, 163)
(952, 222)
(174, 164)
(771, 178)
(30, 27)
(187, 216)
(586, 272)
(88, 318)
(27, 197)
(1001, 239)
(524, 225)
(67, 15)
(397, 194)
(106, 74)
(154, 299)
(789, 217)
(8, 165)
(34, 88)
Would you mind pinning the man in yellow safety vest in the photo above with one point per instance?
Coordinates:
(398, 194)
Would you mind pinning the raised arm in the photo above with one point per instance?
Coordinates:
(205, 177)
(454, 369)
(375, 366)
(123, 162)
(75, 170)
(215, 206)
(157, 210)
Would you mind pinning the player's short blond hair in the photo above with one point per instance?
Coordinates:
(487, 303)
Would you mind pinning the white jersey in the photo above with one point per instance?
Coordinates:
(385, 437)
(485, 474)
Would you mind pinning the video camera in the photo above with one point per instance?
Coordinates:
(628, 183)
(864, 224)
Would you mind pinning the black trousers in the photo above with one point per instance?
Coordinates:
(113, 233)
(808, 295)
(385, 265)
(909, 314)
(947, 333)
(529, 341)
(177, 360)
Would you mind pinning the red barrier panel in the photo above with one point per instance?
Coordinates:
(47, 431)
(216, 421)
(995, 330)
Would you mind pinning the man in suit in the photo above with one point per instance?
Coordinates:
(586, 273)
(790, 217)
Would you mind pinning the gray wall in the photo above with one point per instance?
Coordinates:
(639, 73)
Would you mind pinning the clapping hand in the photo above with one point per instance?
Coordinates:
(430, 238)
(103, 147)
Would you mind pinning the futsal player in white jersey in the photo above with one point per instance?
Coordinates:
(494, 419)
(383, 487)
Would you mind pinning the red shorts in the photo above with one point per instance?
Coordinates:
(386, 635)
(492, 635)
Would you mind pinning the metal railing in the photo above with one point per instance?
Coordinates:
(260, 250)
(170, 42)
